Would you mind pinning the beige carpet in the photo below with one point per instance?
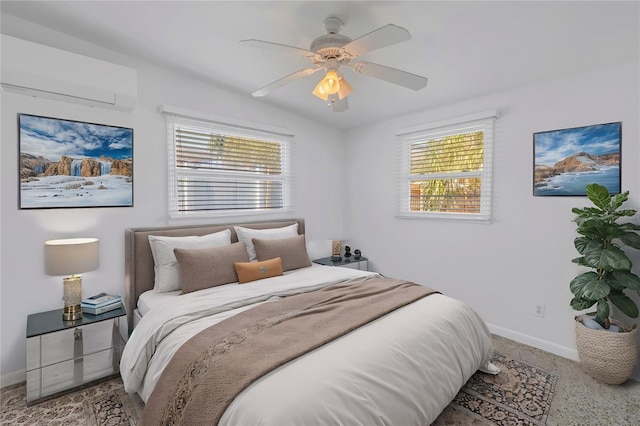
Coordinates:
(508, 399)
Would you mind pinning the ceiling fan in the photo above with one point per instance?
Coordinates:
(333, 51)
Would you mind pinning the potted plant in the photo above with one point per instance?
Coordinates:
(606, 355)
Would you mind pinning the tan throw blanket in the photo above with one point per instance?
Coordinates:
(214, 366)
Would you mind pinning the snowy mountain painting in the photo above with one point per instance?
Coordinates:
(66, 164)
(567, 160)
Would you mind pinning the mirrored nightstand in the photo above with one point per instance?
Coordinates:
(65, 355)
(346, 262)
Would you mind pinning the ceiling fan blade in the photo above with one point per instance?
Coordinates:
(276, 46)
(337, 104)
(392, 75)
(377, 39)
(284, 80)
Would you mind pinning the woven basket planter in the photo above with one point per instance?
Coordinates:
(607, 356)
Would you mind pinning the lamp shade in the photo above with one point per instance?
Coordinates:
(71, 256)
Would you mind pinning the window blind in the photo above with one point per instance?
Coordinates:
(219, 169)
(445, 172)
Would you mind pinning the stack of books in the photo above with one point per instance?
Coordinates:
(101, 303)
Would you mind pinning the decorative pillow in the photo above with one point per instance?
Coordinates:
(210, 267)
(252, 271)
(246, 234)
(167, 274)
(292, 251)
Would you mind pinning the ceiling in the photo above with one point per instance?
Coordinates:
(465, 48)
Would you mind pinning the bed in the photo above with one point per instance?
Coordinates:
(197, 353)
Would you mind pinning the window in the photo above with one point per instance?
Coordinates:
(220, 169)
(445, 169)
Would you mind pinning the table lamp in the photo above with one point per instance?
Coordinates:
(336, 249)
(71, 256)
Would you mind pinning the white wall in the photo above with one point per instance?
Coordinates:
(25, 289)
(523, 258)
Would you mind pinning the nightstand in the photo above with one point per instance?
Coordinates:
(65, 355)
(346, 262)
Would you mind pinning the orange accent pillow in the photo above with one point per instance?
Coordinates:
(252, 271)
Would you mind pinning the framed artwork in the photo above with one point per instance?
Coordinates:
(69, 164)
(566, 160)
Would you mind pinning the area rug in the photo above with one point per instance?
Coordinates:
(105, 404)
(520, 394)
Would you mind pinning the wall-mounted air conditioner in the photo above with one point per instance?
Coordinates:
(37, 70)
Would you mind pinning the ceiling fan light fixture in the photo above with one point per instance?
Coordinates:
(345, 88)
(319, 92)
(329, 85)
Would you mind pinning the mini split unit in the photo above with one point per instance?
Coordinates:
(42, 71)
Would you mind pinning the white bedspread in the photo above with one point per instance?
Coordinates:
(401, 369)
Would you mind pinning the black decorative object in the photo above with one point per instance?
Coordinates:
(347, 251)
(356, 254)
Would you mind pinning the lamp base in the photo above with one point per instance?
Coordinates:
(72, 298)
(72, 313)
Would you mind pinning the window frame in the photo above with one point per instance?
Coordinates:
(481, 121)
(202, 122)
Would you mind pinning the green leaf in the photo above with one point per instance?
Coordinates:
(579, 304)
(619, 199)
(580, 261)
(599, 196)
(630, 226)
(588, 286)
(626, 212)
(581, 243)
(630, 239)
(611, 258)
(625, 304)
(624, 279)
(602, 311)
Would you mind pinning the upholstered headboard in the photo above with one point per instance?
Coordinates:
(139, 274)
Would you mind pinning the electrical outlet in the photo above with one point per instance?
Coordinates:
(539, 311)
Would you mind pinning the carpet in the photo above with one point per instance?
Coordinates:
(520, 394)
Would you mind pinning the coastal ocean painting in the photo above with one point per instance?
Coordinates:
(566, 160)
(67, 164)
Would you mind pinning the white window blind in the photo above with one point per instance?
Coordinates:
(219, 169)
(445, 169)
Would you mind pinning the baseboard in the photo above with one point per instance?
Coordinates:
(545, 345)
(13, 378)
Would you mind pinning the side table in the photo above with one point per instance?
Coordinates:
(66, 355)
(346, 262)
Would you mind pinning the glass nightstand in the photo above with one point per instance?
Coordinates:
(346, 262)
(65, 355)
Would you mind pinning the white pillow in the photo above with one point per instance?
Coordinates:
(246, 234)
(167, 272)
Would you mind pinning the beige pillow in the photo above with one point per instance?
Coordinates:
(246, 234)
(167, 274)
(209, 267)
(252, 271)
(292, 251)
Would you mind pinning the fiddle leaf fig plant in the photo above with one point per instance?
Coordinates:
(601, 247)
